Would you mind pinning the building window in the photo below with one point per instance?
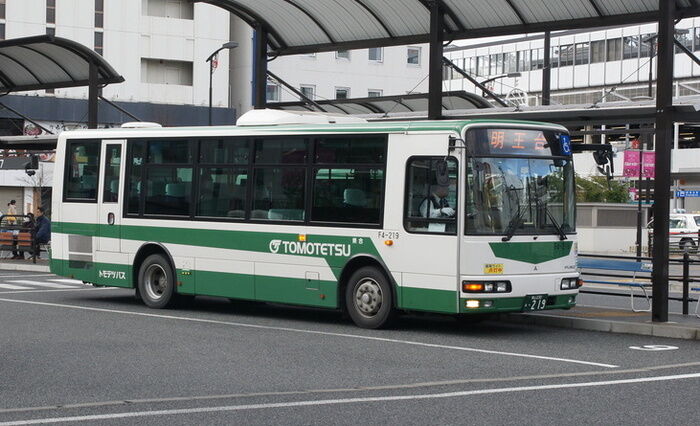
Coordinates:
(413, 55)
(509, 62)
(308, 90)
(272, 93)
(696, 37)
(342, 54)
(176, 9)
(686, 40)
(376, 54)
(2, 9)
(645, 45)
(496, 64)
(614, 50)
(630, 47)
(597, 51)
(99, 42)
(2, 31)
(523, 60)
(374, 93)
(470, 65)
(50, 11)
(537, 59)
(583, 51)
(99, 13)
(342, 92)
(447, 72)
(482, 66)
(554, 56)
(51, 31)
(161, 71)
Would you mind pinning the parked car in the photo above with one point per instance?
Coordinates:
(684, 231)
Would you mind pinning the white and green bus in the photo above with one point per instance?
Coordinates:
(373, 218)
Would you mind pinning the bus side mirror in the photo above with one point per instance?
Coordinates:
(442, 175)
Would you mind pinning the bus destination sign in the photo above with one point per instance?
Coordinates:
(519, 142)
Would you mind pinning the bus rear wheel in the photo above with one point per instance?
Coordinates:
(368, 298)
(156, 282)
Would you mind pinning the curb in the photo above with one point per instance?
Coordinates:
(672, 331)
(24, 267)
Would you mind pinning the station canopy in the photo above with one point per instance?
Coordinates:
(456, 100)
(48, 62)
(306, 26)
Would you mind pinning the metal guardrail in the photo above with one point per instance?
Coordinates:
(685, 278)
(679, 243)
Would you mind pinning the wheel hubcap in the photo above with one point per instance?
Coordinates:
(156, 281)
(368, 297)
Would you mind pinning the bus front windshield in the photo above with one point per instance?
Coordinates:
(511, 196)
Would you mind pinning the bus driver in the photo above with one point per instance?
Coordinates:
(436, 205)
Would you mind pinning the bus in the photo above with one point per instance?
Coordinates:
(371, 218)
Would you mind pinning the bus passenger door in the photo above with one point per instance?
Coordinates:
(111, 263)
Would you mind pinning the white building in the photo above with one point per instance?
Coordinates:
(358, 73)
(158, 46)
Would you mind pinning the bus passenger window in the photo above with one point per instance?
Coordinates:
(113, 161)
(278, 194)
(82, 170)
(431, 201)
(348, 195)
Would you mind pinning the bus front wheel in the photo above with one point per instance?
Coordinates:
(156, 282)
(368, 298)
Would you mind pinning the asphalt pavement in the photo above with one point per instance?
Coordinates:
(71, 352)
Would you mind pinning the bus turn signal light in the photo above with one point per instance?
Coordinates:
(472, 287)
(389, 243)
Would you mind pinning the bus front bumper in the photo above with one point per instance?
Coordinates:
(485, 305)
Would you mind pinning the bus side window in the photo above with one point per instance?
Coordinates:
(431, 198)
(82, 170)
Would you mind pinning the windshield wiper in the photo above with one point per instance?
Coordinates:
(560, 231)
(513, 224)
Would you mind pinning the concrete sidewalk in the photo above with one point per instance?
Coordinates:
(7, 264)
(613, 321)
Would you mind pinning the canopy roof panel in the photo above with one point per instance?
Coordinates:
(305, 26)
(416, 102)
(48, 62)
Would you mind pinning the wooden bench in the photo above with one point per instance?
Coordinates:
(623, 266)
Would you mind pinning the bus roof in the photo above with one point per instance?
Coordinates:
(450, 126)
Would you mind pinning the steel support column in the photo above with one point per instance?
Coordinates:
(547, 69)
(93, 92)
(663, 143)
(260, 68)
(437, 15)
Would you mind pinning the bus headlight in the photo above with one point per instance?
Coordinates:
(569, 283)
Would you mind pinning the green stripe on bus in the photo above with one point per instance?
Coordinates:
(422, 299)
(532, 252)
(336, 250)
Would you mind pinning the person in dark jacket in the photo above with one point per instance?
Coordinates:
(43, 228)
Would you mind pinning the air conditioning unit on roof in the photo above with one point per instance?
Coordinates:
(276, 117)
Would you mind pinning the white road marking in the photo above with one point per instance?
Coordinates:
(14, 287)
(322, 333)
(57, 290)
(67, 281)
(312, 403)
(413, 385)
(41, 284)
(26, 276)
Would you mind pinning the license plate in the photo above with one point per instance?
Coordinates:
(535, 302)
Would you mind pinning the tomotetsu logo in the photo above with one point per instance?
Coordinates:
(275, 245)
